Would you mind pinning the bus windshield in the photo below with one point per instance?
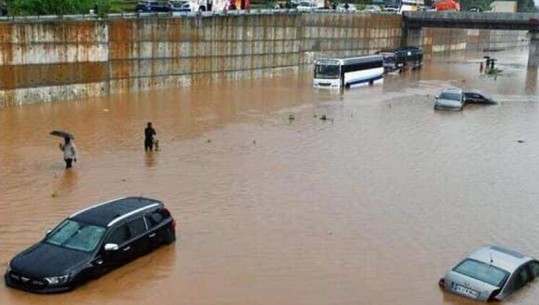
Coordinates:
(323, 71)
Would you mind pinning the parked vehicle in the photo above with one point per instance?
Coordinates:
(346, 72)
(450, 99)
(409, 57)
(152, 6)
(372, 9)
(307, 6)
(347, 7)
(490, 273)
(390, 62)
(390, 9)
(447, 5)
(90, 243)
(476, 97)
(410, 5)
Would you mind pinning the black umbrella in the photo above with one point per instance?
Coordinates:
(62, 134)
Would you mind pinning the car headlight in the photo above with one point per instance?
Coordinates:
(57, 280)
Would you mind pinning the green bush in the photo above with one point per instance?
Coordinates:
(56, 7)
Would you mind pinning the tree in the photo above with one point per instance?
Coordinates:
(55, 7)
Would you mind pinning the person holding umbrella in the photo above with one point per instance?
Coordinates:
(70, 151)
(68, 147)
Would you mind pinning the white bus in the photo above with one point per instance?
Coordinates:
(346, 72)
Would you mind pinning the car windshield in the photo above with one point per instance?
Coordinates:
(76, 235)
(326, 71)
(483, 272)
(450, 96)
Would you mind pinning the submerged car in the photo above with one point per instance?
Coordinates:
(476, 97)
(450, 99)
(490, 273)
(90, 243)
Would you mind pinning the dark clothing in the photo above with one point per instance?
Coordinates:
(148, 145)
(69, 163)
(149, 132)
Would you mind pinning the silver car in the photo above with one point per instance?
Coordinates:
(490, 273)
(450, 99)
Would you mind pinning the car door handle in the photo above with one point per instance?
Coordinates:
(151, 235)
(127, 248)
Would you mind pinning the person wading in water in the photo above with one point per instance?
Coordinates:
(70, 152)
(149, 132)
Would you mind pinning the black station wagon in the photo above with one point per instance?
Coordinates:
(90, 243)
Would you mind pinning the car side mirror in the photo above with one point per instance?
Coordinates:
(111, 247)
(48, 232)
(436, 97)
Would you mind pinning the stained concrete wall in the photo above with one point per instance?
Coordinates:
(45, 61)
(167, 52)
(51, 61)
(347, 34)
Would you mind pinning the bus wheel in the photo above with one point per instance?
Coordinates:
(371, 83)
(347, 86)
(202, 8)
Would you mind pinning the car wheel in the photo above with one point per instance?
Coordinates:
(170, 236)
(80, 279)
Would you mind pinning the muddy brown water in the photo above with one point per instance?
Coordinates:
(371, 207)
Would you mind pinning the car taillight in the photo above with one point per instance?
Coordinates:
(493, 295)
(441, 283)
(174, 224)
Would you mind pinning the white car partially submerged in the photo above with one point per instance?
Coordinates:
(450, 99)
(490, 273)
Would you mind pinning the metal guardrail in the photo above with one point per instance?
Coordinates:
(199, 14)
(136, 15)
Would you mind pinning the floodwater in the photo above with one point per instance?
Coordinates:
(369, 207)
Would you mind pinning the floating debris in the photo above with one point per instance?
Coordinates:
(291, 117)
(208, 141)
(254, 141)
(55, 194)
(325, 118)
(520, 141)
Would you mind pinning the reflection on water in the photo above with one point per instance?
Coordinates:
(149, 159)
(370, 207)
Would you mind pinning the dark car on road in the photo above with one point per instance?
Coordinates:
(90, 243)
(153, 6)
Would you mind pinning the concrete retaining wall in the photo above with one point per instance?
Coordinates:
(45, 61)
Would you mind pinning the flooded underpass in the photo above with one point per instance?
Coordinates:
(276, 206)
